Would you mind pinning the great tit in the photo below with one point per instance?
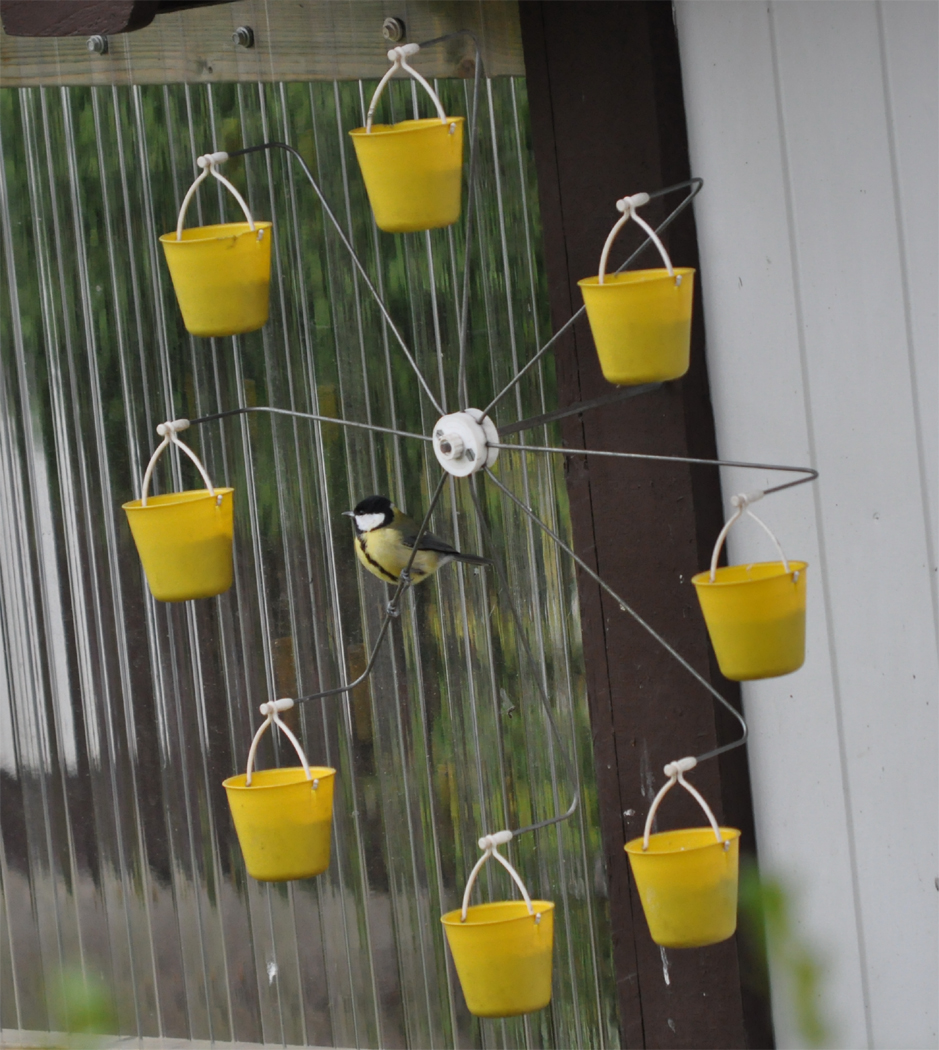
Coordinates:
(384, 539)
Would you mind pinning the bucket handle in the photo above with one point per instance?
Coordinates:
(168, 431)
(628, 206)
(742, 503)
(398, 56)
(207, 163)
(271, 711)
(675, 772)
(489, 844)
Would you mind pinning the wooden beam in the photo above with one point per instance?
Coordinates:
(607, 114)
(299, 40)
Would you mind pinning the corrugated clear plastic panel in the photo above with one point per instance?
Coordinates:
(121, 716)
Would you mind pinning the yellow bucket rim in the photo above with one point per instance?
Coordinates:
(404, 127)
(453, 918)
(276, 778)
(634, 277)
(658, 839)
(737, 575)
(202, 234)
(174, 499)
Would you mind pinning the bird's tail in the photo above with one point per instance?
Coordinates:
(472, 559)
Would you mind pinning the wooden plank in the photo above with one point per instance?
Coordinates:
(857, 376)
(607, 118)
(300, 40)
(829, 158)
(753, 346)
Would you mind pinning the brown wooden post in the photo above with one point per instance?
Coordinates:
(607, 113)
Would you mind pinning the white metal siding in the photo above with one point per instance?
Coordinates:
(814, 126)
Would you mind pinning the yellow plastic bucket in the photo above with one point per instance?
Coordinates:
(755, 615)
(184, 540)
(641, 324)
(283, 821)
(412, 172)
(687, 883)
(503, 956)
(222, 276)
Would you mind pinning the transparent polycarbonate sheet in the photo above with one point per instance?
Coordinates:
(121, 716)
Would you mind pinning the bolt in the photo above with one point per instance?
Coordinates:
(451, 446)
(243, 36)
(98, 44)
(470, 455)
(392, 29)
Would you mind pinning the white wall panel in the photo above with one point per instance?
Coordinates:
(814, 127)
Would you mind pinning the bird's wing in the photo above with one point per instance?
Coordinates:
(429, 542)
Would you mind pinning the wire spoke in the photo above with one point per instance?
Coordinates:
(462, 394)
(536, 673)
(578, 408)
(308, 415)
(624, 605)
(391, 610)
(810, 472)
(695, 185)
(355, 259)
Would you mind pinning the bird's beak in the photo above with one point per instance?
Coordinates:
(348, 513)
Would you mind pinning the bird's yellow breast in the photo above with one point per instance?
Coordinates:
(385, 556)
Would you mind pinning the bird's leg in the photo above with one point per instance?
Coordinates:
(405, 582)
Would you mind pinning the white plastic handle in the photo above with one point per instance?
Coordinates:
(628, 206)
(489, 844)
(398, 56)
(207, 163)
(742, 503)
(675, 772)
(272, 711)
(168, 431)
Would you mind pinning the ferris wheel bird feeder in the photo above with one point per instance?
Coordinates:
(283, 817)
(687, 879)
(755, 613)
(184, 539)
(413, 170)
(640, 319)
(221, 274)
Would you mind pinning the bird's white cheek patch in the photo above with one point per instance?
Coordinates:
(367, 522)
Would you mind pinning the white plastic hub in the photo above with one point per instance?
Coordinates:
(463, 442)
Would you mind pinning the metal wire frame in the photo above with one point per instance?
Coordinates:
(695, 185)
(542, 692)
(810, 472)
(352, 254)
(625, 607)
(462, 327)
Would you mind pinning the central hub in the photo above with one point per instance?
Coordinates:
(463, 442)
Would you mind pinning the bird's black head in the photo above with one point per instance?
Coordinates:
(373, 512)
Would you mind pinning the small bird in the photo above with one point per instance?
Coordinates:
(384, 539)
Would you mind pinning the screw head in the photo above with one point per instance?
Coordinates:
(98, 44)
(243, 36)
(392, 29)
